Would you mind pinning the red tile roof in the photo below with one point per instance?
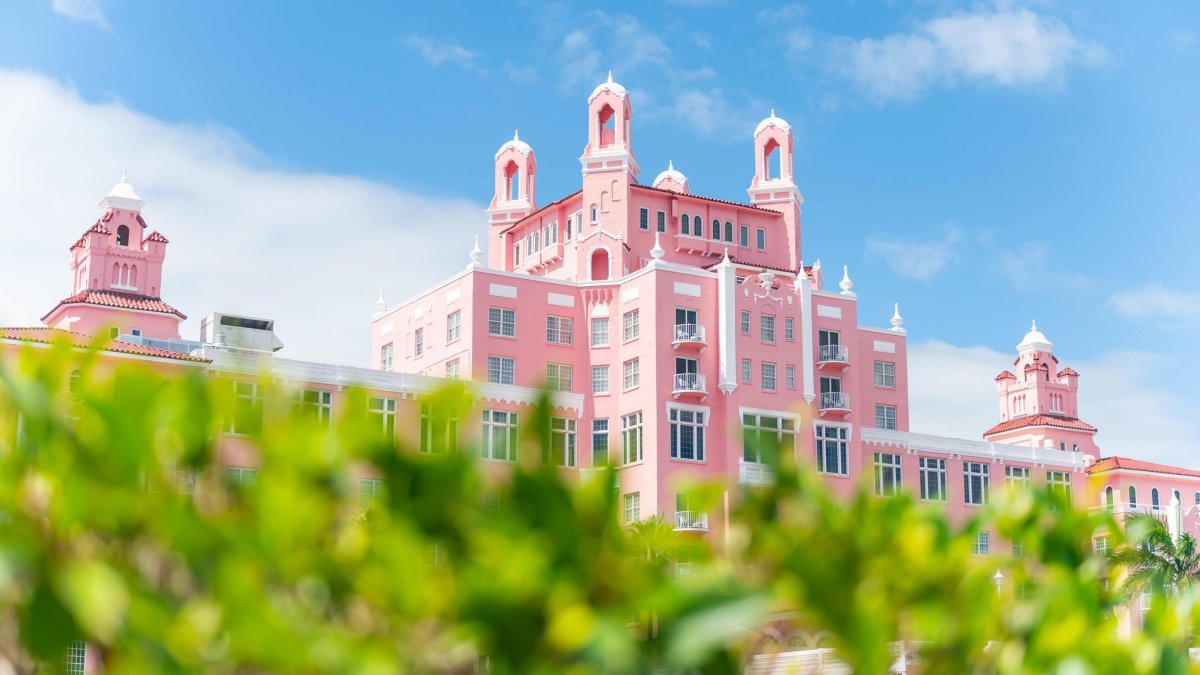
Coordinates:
(1114, 463)
(1005, 375)
(1068, 371)
(552, 204)
(736, 261)
(143, 303)
(705, 199)
(155, 236)
(45, 335)
(1036, 366)
(1058, 421)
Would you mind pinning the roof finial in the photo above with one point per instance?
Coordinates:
(657, 252)
(516, 135)
(772, 112)
(124, 175)
(381, 305)
(476, 254)
(1034, 325)
(846, 284)
(670, 165)
(897, 320)
(610, 76)
(726, 259)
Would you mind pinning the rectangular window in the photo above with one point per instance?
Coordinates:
(745, 322)
(1018, 551)
(452, 369)
(885, 417)
(561, 449)
(764, 436)
(501, 369)
(789, 328)
(1016, 477)
(502, 322)
(975, 483)
(983, 544)
(744, 236)
(499, 439)
(76, 661)
(453, 325)
(768, 376)
(560, 376)
(644, 219)
(933, 479)
(240, 476)
(832, 450)
(885, 374)
(599, 379)
(247, 408)
(767, 326)
(790, 373)
(439, 430)
(600, 442)
(1058, 483)
(419, 342)
(385, 357)
(382, 413)
(368, 490)
(551, 234)
(1100, 545)
(570, 228)
(314, 403)
(630, 325)
(633, 507)
(687, 434)
(887, 474)
(560, 330)
(746, 371)
(631, 438)
(760, 239)
(662, 221)
(516, 254)
(631, 374)
(599, 332)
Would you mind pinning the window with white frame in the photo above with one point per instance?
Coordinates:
(1018, 551)
(551, 234)
(247, 408)
(76, 661)
(790, 374)
(887, 474)
(643, 219)
(501, 369)
(600, 442)
(744, 236)
(1058, 483)
(593, 214)
(933, 478)
(502, 322)
(1101, 545)
(767, 435)
(833, 449)
(368, 490)
(729, 231)
(240, 476)
(885, 416)
(629, 322)
(745, 322)
(599, 332)
(687, 434)
(453, 325)
(560, 376)
(631, 374)
(385, 357)
(685, 224)
(768, 376)
(1017, 477)
(789, 328)
(760, 239)
(439, 429)
(716, 230)
(975, 483)
(452, 369)
(516, 254)
(560, 330)
(499, 438)
(570, 228)
(983, 544)
(561, 450)
(767, 328)
(662, 221)
(746, 375)
(382, 413)
(599, 379)
(633, 507)
(885, 374)
(314, 403)
(419, 342)
(631, 438)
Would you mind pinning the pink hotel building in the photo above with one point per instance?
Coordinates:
(676, 331)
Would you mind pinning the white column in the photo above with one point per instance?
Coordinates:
(1175, 518)
(804, 285)
(727, 324)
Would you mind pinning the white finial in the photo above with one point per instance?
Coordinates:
(381, 305)
(897, 320)
(846, 284)
(817, 265)
(772, 112)
(657, 252)
(1033, 326)
(726, 255)
(124, 175)
(516, 135)
(610, 76)
(670, 165)
(476, 254)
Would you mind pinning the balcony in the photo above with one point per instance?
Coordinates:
(834, 355)
(691, 521)
(688, 334)
(689, 384)
(834, 401)
(754, 473)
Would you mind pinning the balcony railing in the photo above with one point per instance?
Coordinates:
(688, 333)
(691, 520)
(832, 354)
(688, 383)
(835, 400)
(754, 473)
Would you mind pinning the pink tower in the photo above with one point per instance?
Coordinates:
(1040, 404)
(609, 169)
(515, 195)
(774, 184)
(116, 275)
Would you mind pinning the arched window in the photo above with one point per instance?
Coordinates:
(1108, 496)
(716, 229)
(512, 181)
(771, 159)
(123, 236)
(1178, 499)
(728, 231)
(1132, 497)
(697, 226)
(606, 121)
(1154, 499)
(685, 225)
(124, 275)
(600, 264)
(133, 276)
(116, 277)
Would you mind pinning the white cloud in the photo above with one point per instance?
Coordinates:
(309, 250)
(917, 259)
(1155, 301)
(952, 393)
(1031, 269)
(436, 51)
(88, 11)
(1002, 47)
(518, 73)
(1182, 40)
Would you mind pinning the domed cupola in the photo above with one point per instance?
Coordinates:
(122, 196)
(772, 121)
(671, 179)
(609, 85)
(516, 144)
(1035, 341)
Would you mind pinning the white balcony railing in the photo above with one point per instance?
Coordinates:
(691, 520)
(688, 333)
(834, 400)
(832, 354)
(688, 383)
(754, 473)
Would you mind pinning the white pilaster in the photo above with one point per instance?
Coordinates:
(727, 323)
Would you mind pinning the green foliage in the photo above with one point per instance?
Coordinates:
(450, 565)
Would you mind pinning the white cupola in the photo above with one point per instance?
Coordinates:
(122, 196)
(1035, 341)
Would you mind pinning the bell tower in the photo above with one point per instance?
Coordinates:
(515, 195)
(774, 184)
(609, 169)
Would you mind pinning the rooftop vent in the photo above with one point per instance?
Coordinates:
(239, 332)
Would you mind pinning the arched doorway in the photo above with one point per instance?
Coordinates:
(600, 265)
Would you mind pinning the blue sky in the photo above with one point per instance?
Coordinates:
(983, 164)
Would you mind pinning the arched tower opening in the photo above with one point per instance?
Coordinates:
(512, 181)
(606, 126)
(600, 265)
(123, 235)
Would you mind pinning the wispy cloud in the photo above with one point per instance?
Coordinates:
(917, 259)
(1182, 40)
(523, 74)
(1030, 268)
(88, 11)
(1155, 301)
(438, 51)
